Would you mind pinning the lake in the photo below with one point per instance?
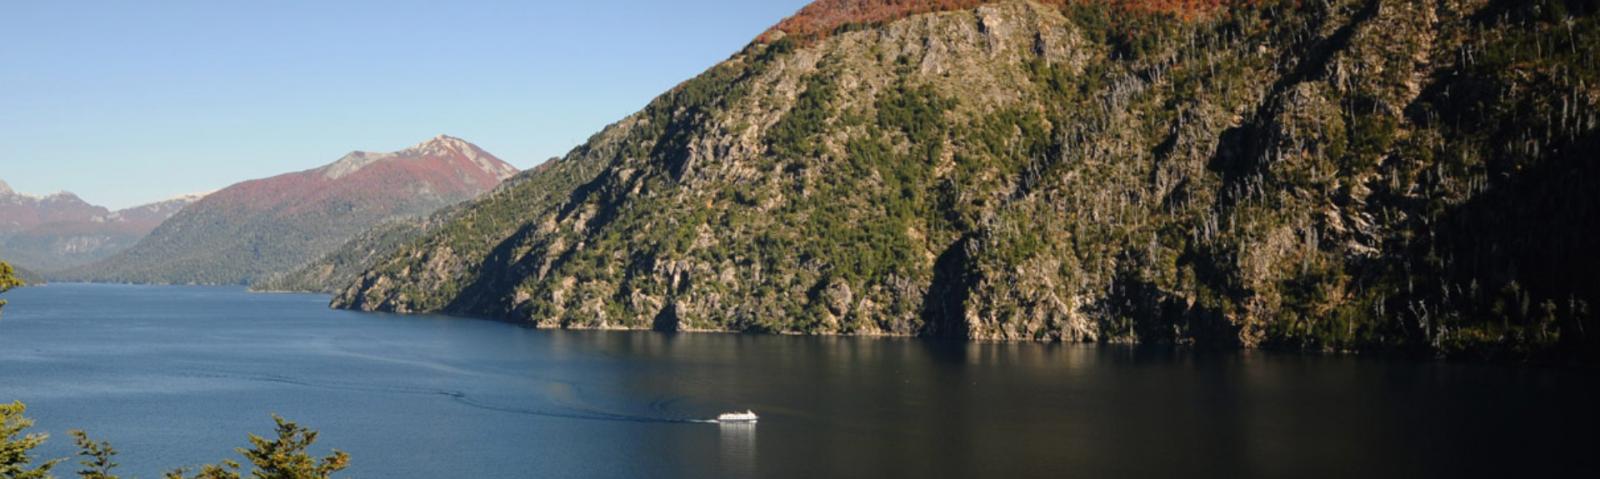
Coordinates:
(177, 376)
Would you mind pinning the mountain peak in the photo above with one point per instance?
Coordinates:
(444, 140)
(442, 146)
(446, 144)
(5, 189)
(292, 218)
(63, 196)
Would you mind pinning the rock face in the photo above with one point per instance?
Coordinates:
(1320, 175)
(247, 231)
(62, 231)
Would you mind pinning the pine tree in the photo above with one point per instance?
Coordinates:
(16, 462)
(97, 457)
(8, 280)
(282, 458)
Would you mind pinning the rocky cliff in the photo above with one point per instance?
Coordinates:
(1349, 174)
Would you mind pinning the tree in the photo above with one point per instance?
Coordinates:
(97, 463)
(227, 470)
(8, 280)
(283, 458)
(16, 462)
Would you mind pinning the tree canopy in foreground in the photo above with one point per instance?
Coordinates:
(283, 457)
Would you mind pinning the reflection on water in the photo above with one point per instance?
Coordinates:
(738, 446)
(177, 376)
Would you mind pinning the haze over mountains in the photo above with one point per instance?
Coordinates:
(61, 231)
(247, 231)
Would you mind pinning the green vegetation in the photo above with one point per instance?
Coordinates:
(282, 457)
(16, 459)
(342, 266)
(8, 280)
(98, 457)
(794, 136)
(1326, 176)
(27, 276)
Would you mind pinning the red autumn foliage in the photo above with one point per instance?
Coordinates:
(383, 188)
(823, 17)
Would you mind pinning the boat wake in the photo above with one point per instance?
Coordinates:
(458, 396)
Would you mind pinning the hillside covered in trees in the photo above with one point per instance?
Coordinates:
(338, 268)
(1339, 175)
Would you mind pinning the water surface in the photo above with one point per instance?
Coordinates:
(177, 375)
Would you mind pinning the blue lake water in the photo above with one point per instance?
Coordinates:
(176, 376)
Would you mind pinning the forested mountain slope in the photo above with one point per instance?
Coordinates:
(1349, 174)
(341, 266)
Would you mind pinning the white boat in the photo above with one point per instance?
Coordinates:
(747, 416)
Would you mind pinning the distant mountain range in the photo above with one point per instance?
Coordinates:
(250, 230)
(61, 231)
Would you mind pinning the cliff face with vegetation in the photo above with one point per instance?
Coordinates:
(1350, 174)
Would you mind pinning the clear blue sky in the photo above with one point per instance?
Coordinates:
(129, 102)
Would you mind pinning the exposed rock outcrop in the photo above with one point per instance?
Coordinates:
(1323, 175)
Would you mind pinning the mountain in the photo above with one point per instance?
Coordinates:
(339, 267)
(1340, 175)
(62, 231)
(149, 216)
(20, 212)
(334, 271)
(247, 231)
